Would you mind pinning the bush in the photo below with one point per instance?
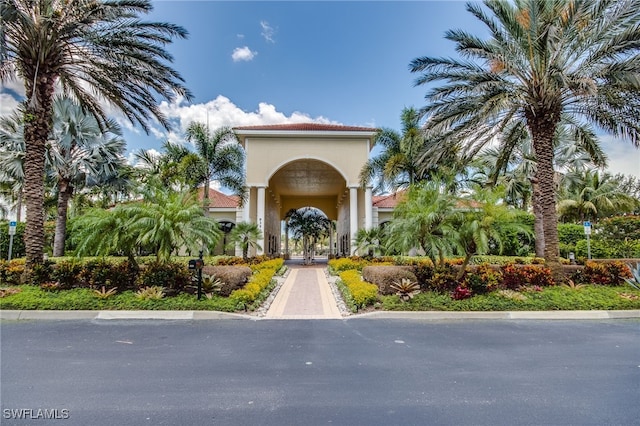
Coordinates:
(517, 276)
(10, 272)
(482, 279)
(611, 273)
(443, 279)
(362, 293)
(385, 276)
(232, 277)
(257, 287)
(173, 277)
(347, 263)
(67, 274)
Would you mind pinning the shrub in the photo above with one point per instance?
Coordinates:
(231, 277)
(363, 293)
(610, 273)
(405, 289)
(482, 279)
(252, 292)
(516, 276)
(230, 261)
(10, 272)
(345, 264)
(174, 277)
(67, 274)
(385, 276)
(443, 279)
(150, 293)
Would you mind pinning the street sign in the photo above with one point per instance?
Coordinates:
(12, 228)
(587, 228)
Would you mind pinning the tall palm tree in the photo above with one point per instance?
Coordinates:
(544, 58)
(222, 155)
(396, 166)
(79, 151)
(97, 52)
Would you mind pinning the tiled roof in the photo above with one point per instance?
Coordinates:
(219, 200)
(388, 201)
(307, 127)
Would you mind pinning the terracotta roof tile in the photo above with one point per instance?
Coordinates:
(219, 200)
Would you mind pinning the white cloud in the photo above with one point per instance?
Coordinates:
(243, 54)
(221, 112)
(623, 157)
(267, 31)
(7, 104)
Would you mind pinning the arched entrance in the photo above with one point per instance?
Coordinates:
(293, 166)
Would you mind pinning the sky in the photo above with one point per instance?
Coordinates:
(250, 63)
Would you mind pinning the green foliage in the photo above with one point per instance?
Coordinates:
(483, 279)
(66, 274)
(515, 277)
(259, 285)
(10, 272)
(150, 293)
(174, 277)
(18, 248)
(405, 289)
(346, 263)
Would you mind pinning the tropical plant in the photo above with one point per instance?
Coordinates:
(167, 221)
(484, 220)
(245, 235)
(406, 289)
(95, 51)
(150, 293)
(422, 221)
(544, 59)
(588, 195)
(309, 224)
(634, 280)
(396, 166)
(222, 156)
(103, 293)
(370, 242)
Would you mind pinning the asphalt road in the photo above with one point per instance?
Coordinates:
(337, 372)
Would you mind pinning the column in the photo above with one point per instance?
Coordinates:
(368, 209)
(260, 202)
(245, 208)
(353, 217)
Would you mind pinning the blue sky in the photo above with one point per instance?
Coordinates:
(268, 62)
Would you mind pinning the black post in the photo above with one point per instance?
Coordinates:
(200, 265)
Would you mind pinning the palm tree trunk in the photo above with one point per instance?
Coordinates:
(542, 126)
(538, 224)
(37, 126)
(65, 190)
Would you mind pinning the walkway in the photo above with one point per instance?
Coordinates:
(305, 294)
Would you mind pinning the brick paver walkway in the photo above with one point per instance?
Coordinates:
(305, 294)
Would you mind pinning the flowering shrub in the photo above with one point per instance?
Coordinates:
(347, 263)
(10, 272)
(258, 282)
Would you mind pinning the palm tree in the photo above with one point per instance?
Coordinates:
(396, 166)
(245, 235)
(422, 221)
(79, 151)
(222, 155)
(97, 52)
(168, 221)
(484, 218)
(309, 224)
(370, 242)
(588, 195)
(545, 59)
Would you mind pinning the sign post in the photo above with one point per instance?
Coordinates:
(12, 232)
(587, 232)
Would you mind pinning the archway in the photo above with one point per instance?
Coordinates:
(306, 165)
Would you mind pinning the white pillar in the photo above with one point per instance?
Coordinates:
(245, 208)
(368, 209)
(260, 201)
(353, 217)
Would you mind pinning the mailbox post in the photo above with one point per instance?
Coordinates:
(196, 265)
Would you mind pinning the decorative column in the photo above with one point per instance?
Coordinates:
(245, 208)
(353, 217)
(260, 203)
(368, 209)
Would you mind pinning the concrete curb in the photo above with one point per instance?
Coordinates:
(17, 315)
